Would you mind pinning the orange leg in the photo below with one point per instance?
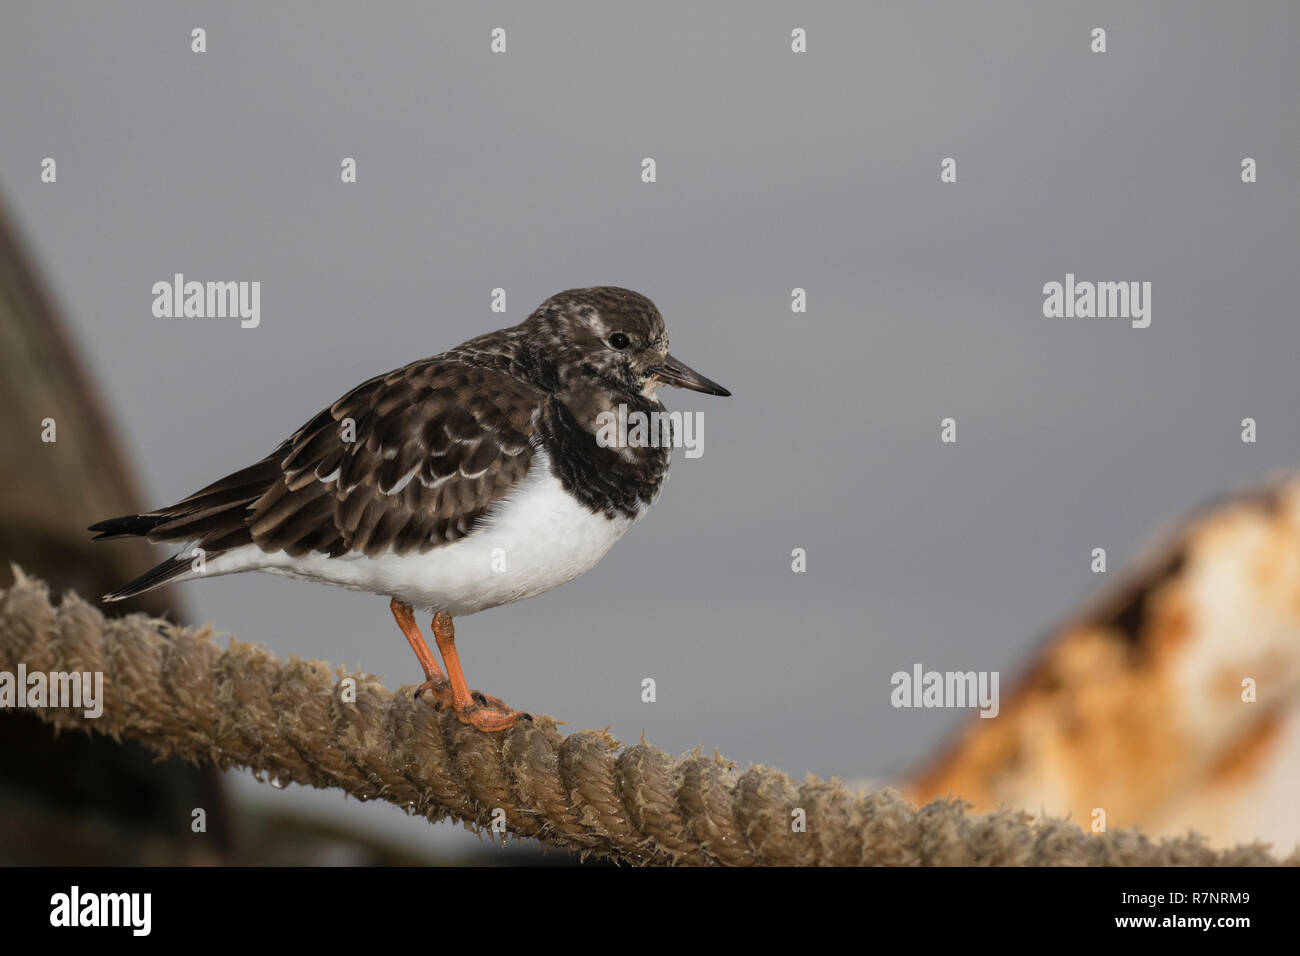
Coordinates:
(488, 714)
(435, 680)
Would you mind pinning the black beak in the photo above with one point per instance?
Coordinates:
(674, 372)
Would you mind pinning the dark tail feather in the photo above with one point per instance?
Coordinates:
(127, 526)
(155, 577)
(213, 517)
(218, 509)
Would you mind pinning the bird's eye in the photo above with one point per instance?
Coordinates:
(619, 340)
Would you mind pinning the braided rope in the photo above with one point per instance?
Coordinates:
(175, 690)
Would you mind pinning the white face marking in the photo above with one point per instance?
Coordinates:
(651, 385)
(595, 321)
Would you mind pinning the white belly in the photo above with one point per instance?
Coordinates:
(536, 539)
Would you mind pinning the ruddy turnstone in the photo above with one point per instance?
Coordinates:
(456, 483)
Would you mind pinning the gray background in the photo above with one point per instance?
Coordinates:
(775, 170)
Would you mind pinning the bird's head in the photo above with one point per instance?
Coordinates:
(616, 336)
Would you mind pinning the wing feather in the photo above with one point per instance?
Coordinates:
(436, 445)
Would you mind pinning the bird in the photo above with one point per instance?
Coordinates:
(464, 481)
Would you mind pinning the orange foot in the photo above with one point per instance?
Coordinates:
(488, 714)
(472, 707)
(439, 688)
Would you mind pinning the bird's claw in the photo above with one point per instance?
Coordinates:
(489, 719)
(484, 712)
(441, 690)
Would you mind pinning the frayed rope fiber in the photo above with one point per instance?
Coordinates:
(176, 691)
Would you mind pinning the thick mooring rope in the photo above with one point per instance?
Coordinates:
(175, 690)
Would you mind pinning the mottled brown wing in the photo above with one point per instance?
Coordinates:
(410, 460)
